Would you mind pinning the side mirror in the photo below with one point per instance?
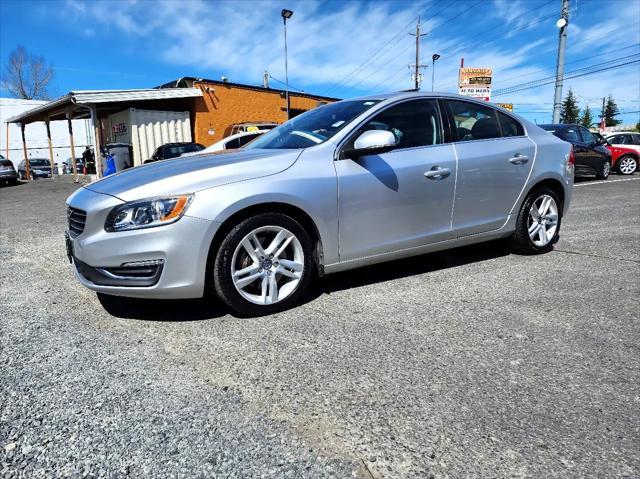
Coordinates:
(372, 142)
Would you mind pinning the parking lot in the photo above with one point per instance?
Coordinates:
(469, 363)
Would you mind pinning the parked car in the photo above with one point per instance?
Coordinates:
(232, 142)
(344, 185)
(626, 139)
(249, 127)
(173, 150)
(591, 156)
(40, 168)
(624, 160)
(67, 166)
(8, 173)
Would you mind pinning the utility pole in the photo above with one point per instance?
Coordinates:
(265, 79)
(417, 65)
(562, 24)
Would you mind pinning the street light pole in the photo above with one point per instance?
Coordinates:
(433, 69)
(285, 15)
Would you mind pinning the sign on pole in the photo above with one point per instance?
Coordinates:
(475, 82)
(506, 106)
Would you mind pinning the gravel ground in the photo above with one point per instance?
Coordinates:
(468, 363)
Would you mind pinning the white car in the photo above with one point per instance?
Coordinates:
(627, 139)
(232, 142)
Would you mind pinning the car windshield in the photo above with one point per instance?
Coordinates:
(313, 127)
(38, 162)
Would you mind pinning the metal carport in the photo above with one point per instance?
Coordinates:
(97, 104)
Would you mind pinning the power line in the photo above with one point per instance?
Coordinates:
(580, 70)
(567, 76)
(397, 37)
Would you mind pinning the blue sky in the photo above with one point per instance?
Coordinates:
(336, 48)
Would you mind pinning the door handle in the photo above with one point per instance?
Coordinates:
(519, 159)
(437, 173)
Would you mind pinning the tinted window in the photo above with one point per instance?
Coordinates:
(635, 140)
(232, 145)
(243, 140)
(414, 123)
(571, 134)
(509, 126)
(626, 140)
(473, 122)
(587, 137)
(5, 163)
(39, 162)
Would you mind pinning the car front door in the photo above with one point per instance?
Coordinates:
(494, 160)
(596, 153)
(399, 199)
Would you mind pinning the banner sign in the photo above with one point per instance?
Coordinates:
(475, 82)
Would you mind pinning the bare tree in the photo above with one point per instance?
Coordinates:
(27, 76)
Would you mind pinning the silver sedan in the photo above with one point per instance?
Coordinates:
(345, 185)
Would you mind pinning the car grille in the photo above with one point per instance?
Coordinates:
(77, 219)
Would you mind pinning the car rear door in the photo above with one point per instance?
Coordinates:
(580, 151)
(494, 160)
(399, 199)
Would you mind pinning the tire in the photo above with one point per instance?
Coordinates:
(530, 228)
(603, 174)
(255, 297)
(627, 165)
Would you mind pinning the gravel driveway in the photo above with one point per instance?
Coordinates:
(467, 363)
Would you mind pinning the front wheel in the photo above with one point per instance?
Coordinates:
(603, 174)
(627, 165)
(263, 265)
(538, 223)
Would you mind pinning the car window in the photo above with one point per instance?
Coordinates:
(243, 140)
(587, 137)
(5, 163)
(232, 144)
(626, 140)
(509, 126)
(413, 123)
(313, 127)
(635, 140)
(473, 121)
(571, 134)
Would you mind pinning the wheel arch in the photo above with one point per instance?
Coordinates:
(552, 183)
(288, 209)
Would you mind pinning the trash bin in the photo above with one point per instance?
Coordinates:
(121, 153)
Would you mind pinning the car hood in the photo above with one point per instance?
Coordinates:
(191, 174)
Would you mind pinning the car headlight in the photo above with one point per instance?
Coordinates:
(147, 213)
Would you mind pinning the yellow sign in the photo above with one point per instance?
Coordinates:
(475, 82)
(506, 106)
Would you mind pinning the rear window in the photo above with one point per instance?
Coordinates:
(5, 163)
(509, 126)
(39, 162)
(473, 121)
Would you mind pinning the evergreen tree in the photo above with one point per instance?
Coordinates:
(586, 119)
(610, 112)
(570, 111)
(638, 126)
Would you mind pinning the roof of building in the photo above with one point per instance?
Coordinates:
(90, 97)
(189, 81)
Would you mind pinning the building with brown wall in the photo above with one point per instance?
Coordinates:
(224, 104)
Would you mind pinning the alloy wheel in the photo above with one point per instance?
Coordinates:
(606, 168)
(543, 220)
(267, 265)
(628, 165)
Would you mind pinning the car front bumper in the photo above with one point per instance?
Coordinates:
(180, 248)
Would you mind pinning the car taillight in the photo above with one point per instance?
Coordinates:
(572, 159)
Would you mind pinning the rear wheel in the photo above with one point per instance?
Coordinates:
(603, 174)
(538, 223)
(627, 165)
(264, 265)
